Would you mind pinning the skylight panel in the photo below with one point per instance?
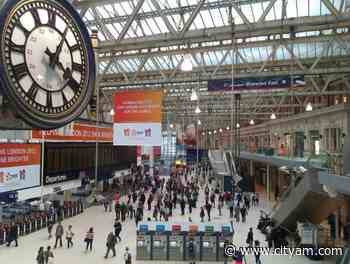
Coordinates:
(315, 7)
(217, 17)
(160, 23)
(198, 22)
(146, 28)
(88, 15)
(152, 24)
(324, 10)
(112, 30)
(207, 19)
(247, 11)
(127, 7)
(292, 9)
(101, 36)
(257, 10)
(102, 12)
(147, 6)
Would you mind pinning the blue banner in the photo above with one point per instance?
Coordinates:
(255, 83)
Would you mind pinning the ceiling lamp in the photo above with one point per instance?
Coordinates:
(171, 126)
(215, 131)
(273, 116)
(309, 107)
(199, 122)
(194, 95)
(220, 130)
(203, 133)
(112, 112)
(238, 125)
(187, 63)
(209, 133)
(228, 128)
(252, 123)
(198, 110)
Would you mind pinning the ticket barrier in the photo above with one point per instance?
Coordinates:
(224, 239)
(209, 243)
(160, 243)
(143, 243)
(176, 243)
(194, 235)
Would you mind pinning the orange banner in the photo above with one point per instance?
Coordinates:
(13, 155)
(76, 132)
(138, 107)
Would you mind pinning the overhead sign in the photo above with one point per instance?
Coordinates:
(76, 132)
(255, 83)
(137, 119)
(19, 166)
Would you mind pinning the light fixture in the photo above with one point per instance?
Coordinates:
(209, 133)
(273, 116)
(194, 95)
(171, 126)
(238, 125)
(199, 122)
(198, 110)
(203, 134)
(187, 63)
(220, 130)
(112, 112)
(215, 131)
(309, 107)
(252, 123)
(228, 128)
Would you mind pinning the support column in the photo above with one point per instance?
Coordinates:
(251, 173)
(268, 182)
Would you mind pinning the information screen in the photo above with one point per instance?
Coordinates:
(206, 244)
(19, 166)
(173, 243)
(157, 243)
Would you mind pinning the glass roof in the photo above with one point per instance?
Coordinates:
(162, 16)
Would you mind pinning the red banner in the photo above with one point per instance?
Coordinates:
(14, 155)
(77, 132)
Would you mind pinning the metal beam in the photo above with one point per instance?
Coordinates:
(331, 7)
(164, 17)
(242, 31)
(130, 20)
(266, 11)
(191, 19)
(242, 15)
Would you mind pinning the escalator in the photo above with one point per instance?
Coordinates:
(304, 201)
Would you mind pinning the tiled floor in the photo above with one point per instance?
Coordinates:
(103, 223)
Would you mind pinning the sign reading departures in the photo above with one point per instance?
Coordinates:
(47, 63)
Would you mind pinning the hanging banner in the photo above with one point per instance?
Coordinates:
(255, 83)
(75, 132)
(137, 119)
(19, 166)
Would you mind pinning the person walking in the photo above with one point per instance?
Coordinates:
(244, 213)
(48, 255)
(237, 213)
(40, 258)
(49, 228)
(250, 237)
(202, 214)
(89, 238)
(59, 233)
(127, 256)
(111, 240)
(69, 236)
(183, 205)
(191, 252)
(117, 230)
(208, 208)
(13, 235)
(257, 252)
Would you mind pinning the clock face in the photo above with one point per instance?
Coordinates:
(48, 62)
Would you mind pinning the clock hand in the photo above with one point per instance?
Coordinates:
(58, 50)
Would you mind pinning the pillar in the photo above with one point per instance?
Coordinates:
(268, 181)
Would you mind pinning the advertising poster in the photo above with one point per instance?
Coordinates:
(137, 119)
(75, 132)
(19, 166)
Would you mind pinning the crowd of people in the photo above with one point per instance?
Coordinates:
(160, 197)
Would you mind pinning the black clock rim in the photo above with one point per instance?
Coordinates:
(37, 120)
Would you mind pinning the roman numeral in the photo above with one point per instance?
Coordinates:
(65, 101)
(33, 91)
(74, 48)
(17, 48)
(52, 18)
(20, 70)
(36, 17)
(74, 85)
(24, 30)
(49, 100)
(77, 67)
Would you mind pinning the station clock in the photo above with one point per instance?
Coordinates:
(47, 65)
